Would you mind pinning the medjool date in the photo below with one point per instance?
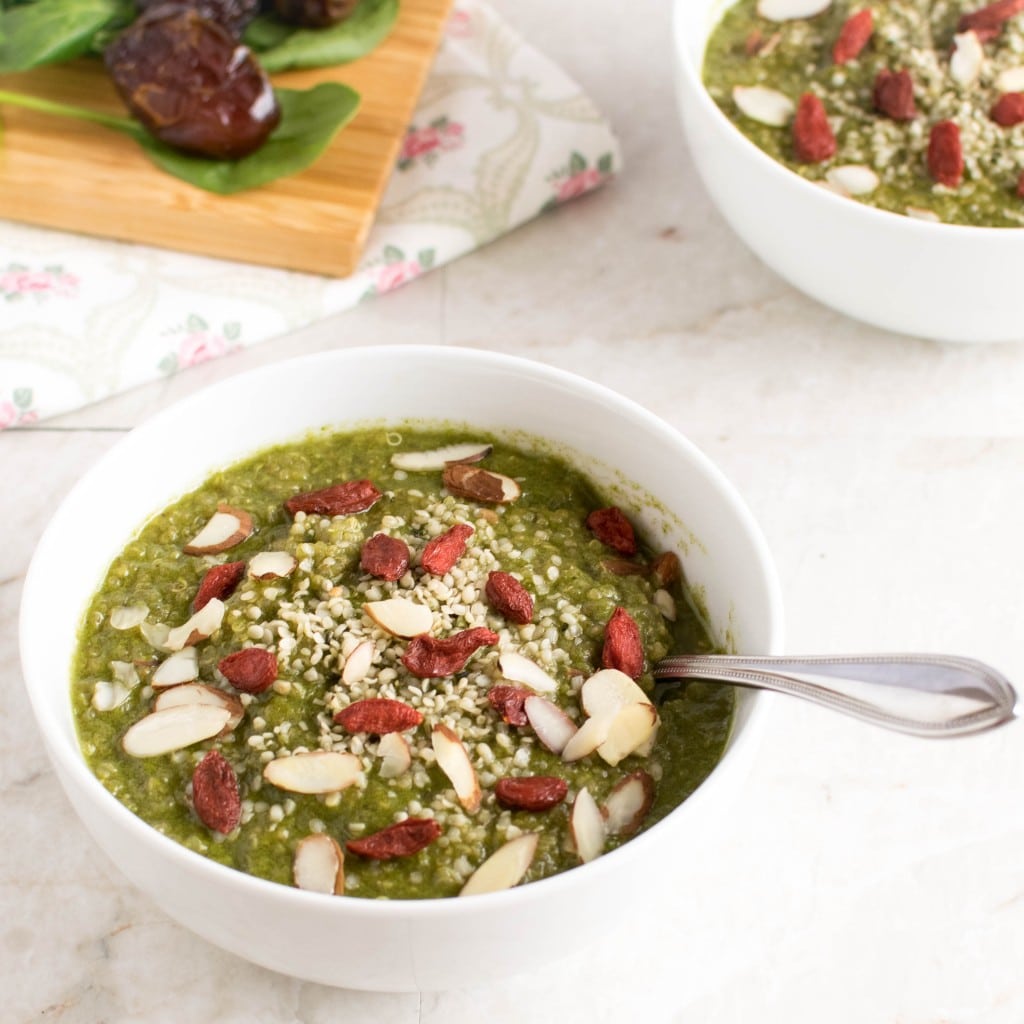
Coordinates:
(191, 84)
(314, 13)
(234, 15)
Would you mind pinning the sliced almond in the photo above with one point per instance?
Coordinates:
(606, 692)
(128, 618)
(319, 865)
(632, 727)
(358, 663)
(227, 527)
(791, 10)
(125, 673)
(586, 826)
(400, 617)
(106, 695)
(155, 634)
(438, 458)
(504, 869)
(968, 57)
(628, 803)
(853, 179)
(173, 729)
(587, 738)
(480, 484)
(554, 728)
(519, 669)
(766, 106)
(1011, 80)
(454, 761)
(394, 754)
(202, 625)
(270, 565)
(319, 771)
(919, 213)
(180, 667)
(666, 604)
(198, 693)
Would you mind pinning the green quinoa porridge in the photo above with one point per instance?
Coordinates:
(355, 665)
(911, 106)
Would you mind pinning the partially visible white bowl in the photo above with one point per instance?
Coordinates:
(947, 282)
(398, 945)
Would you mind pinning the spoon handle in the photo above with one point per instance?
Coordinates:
(919, 694)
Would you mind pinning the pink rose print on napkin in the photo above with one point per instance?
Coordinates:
(396, 269)
(427, 144)
(200, 344)
(460, 25)
(17, 411)
(18, 282)
(577, 178)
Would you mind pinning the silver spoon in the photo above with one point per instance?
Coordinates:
(920, 694)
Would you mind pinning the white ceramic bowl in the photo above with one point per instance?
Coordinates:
(398, 945)
(942, 281)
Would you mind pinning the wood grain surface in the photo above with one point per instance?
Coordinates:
(85, 178)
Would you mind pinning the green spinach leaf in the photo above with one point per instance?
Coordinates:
(49, 31)
(283, 47)
(309, 121)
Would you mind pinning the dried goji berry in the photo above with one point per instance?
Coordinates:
(378, 715)
(400, 840)
(441, 553)
(509, 702)
(813, 141)
(612, 528)
(622, 646)
(1008, 110)
(219, 582)
(251, 670)
(344, 499)
(215, 793)
(531, 792)
(945, 154)
(988, 21)
(508, 597)
(428, 656)
(893, 95)
(853, 36)
(385, 557)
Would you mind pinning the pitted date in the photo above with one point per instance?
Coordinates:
(314, 13)
(234, 15)
(192, 85)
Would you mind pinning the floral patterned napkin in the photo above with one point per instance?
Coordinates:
(501, 134)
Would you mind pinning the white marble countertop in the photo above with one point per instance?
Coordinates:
(862, 877)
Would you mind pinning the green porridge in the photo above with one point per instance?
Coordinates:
(912, 106)
(355, 666)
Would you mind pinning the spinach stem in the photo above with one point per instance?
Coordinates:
(20, 99)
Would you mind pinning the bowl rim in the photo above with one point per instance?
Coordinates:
(769, 165)
(69, 762)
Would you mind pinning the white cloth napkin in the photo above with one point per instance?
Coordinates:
(500, 135)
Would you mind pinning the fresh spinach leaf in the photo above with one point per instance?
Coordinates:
(49, 31)
(309, 121)
(282, 47)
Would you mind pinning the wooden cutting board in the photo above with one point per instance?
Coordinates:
(67, 174)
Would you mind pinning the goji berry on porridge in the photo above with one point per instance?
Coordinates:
(912, 106)
(395, 663)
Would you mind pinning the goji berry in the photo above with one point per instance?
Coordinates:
(378, 715)
(215, 793)
(427, 657)
(251, 670)
(385, 557)
(343, 499)
(945, 154)
(219, 582)
(441, 553)
(623, 649)
(813, 141)
(853, 36)
(508, 597)
(399, 840)
(893, 95)
(611, 527)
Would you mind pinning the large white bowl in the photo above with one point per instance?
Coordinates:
(942, 281)
(398, 945)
